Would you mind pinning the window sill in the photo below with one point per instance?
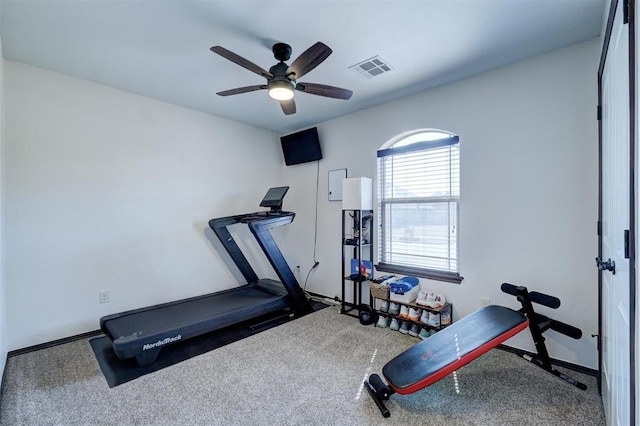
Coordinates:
(450, 277)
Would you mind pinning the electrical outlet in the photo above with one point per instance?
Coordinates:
(485, 301)
(103, 296)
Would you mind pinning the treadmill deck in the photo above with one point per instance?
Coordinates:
(133, 330)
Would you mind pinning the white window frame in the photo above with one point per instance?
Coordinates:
(433, 256)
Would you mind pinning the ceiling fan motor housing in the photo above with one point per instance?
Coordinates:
(279, 70)
(281, 51)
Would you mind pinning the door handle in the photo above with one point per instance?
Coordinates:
(608, 265)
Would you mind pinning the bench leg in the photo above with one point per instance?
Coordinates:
(379, 393)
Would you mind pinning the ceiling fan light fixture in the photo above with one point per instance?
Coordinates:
(281, 90)
(282, 78)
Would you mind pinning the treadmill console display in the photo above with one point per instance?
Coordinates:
(274, 197)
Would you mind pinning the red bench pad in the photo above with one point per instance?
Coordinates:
(453, 347)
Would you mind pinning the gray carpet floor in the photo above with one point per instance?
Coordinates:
(309, 371)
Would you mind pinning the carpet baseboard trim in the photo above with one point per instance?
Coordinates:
(4, 378)
(322, 298)
(53, 343)
(559, 363)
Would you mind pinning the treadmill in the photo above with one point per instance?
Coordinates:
(142, 333)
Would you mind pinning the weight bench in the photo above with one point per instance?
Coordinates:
(465, 340)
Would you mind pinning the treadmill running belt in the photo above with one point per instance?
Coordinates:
(136, 331)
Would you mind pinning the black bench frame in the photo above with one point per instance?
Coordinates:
(537, 323)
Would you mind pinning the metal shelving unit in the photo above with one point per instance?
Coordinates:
(357, 257)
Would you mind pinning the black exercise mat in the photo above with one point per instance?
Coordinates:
(117, 371)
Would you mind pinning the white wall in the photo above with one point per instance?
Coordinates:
(106, 190)
(3, 302)
(637, 220)
(529, 186)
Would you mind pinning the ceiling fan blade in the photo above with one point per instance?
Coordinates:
(239, 90)
(288, 107)
(309, 59)
(324, 90)
(239, 60)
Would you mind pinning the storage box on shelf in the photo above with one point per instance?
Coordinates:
(407, 297)
(379, 291)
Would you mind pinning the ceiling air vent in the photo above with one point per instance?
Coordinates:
(371, 67)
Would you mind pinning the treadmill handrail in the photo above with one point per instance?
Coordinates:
(260, 223)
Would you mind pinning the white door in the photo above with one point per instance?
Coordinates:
(615, 220)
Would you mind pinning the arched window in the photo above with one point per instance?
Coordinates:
(418, 205)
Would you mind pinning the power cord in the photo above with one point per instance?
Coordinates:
(315, 265)
(315, 231)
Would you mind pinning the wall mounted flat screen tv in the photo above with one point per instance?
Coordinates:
(301, 147)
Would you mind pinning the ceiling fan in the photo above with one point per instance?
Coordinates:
(282, 78)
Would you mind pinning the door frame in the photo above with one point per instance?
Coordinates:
(630, 6)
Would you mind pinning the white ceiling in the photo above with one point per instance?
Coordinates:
(160, 48)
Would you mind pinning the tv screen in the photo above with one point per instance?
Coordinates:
(301, 147)
(274, 197)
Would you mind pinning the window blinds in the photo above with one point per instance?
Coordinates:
(419, 191)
